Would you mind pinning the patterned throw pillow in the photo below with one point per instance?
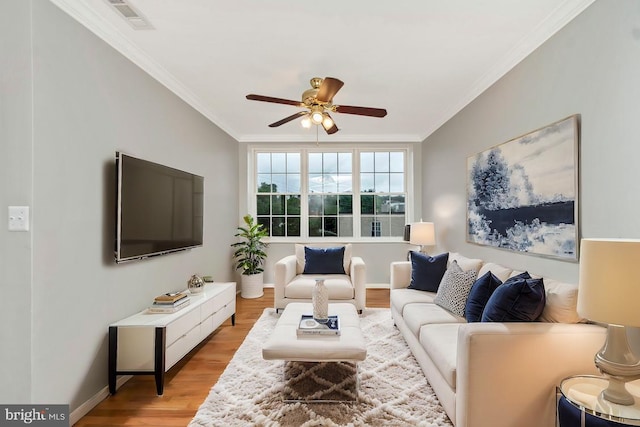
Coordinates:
(454, 289)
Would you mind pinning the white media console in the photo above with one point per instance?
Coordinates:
(152, 343)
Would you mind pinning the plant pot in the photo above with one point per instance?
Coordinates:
(251, 286)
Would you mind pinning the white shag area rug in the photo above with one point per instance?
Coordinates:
(392, 391)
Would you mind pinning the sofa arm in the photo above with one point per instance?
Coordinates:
(507, 372)
(358, 273)
(284, 272)
(400, 274)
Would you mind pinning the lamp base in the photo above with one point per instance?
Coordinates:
(619, 364)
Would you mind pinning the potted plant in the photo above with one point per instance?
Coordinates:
(250, 255)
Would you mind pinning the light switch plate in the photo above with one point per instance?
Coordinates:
(18, 218)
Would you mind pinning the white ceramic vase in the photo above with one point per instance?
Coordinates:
(320, 301)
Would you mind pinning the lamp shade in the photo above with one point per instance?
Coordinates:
(609, 288)
(422, 233)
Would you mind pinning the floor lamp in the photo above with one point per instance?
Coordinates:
(608, 292)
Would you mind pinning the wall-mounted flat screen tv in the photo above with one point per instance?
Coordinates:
(159, 209)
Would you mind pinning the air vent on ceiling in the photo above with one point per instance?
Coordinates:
(130, 14)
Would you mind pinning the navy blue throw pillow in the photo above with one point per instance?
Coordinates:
(427, 271)
(519, 299)
(480, 293)
(324, 260)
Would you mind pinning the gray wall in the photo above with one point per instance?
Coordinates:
(591, 67)
(88, 102)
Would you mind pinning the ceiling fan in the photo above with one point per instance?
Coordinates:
(318, 102)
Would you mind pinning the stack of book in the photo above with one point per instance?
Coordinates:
(169, 303)
(309, 326)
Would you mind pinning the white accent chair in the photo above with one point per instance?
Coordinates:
(292, 285)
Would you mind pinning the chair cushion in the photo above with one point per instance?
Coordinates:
(401, 297)
(519, 299)
(427, 271)
(480, 293)
(417, 315)
(338, 285)
(454, 289)
(300, 258)
(323, 260)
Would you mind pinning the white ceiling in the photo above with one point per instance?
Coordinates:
(422, 60)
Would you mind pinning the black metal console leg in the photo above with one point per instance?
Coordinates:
(233, 319)
(113, 355)
(159, 362)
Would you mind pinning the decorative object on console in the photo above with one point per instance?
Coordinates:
(195, 284)
(522, 195)
(609, 293)
(427, 271)
(422, 234)
(320, 301)
(407, 233)
(250, 255)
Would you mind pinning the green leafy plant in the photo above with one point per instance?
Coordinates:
(249, 253)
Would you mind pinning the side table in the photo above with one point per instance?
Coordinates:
(580, 404)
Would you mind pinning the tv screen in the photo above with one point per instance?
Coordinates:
(159, 209)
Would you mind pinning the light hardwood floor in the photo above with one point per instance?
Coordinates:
(187, 384)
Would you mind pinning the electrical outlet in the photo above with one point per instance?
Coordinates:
(18, 218)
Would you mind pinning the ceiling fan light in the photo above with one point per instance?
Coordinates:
(316, 117)
(306, 122)
(327, 122)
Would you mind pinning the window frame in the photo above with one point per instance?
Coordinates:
(355, 150)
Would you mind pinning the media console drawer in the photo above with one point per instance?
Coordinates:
(150, 344)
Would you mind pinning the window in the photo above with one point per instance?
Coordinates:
(353, 193)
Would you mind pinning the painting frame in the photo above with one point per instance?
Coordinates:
(523, 194)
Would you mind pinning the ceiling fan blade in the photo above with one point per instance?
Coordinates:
(361, 111)
(328, 89)
(330, 130)
(253, 97)
(288, 119)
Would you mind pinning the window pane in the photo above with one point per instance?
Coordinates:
(383, 204)
(345, 204)
(330, 226)
(293, 183)
(263, 205)
(263, 161)
(344, 162)
(366, 162)
(277, 205)
(330, 205)
(265, 221)
(279, 183)
(315, 162)
(315, 226)
(396, 161)
(293, 205)
(396, 206)
(293, 226)
(315, 183)
(278, 162)
(293, 163)
(315, 205)
(264, 183)
(396, 182)
(345, 184)
(367, 204)
(345, 226)
(382, 162)
(277, 226)
(329, 184)
(330, 164)
(382, 183)
(370, 227)
(367, 184)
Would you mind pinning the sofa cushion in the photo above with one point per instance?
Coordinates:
(519, 299)
(323, 260)
(300, 258)
(401, 297)
(440, 341)
(480, 293)
(338, 285)
(417, 315)
(501, 272)
(427, 271)
(465, 263)
(561, 302)
(454, 289)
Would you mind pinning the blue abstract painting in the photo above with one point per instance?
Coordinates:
(522, 195)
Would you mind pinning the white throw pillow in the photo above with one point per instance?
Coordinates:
(454, 289)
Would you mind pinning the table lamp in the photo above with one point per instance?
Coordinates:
(609, 292)
(423, 234)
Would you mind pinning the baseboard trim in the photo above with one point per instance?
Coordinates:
(87, 406)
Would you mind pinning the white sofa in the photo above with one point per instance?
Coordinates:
(495, 374)
(292, 285)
